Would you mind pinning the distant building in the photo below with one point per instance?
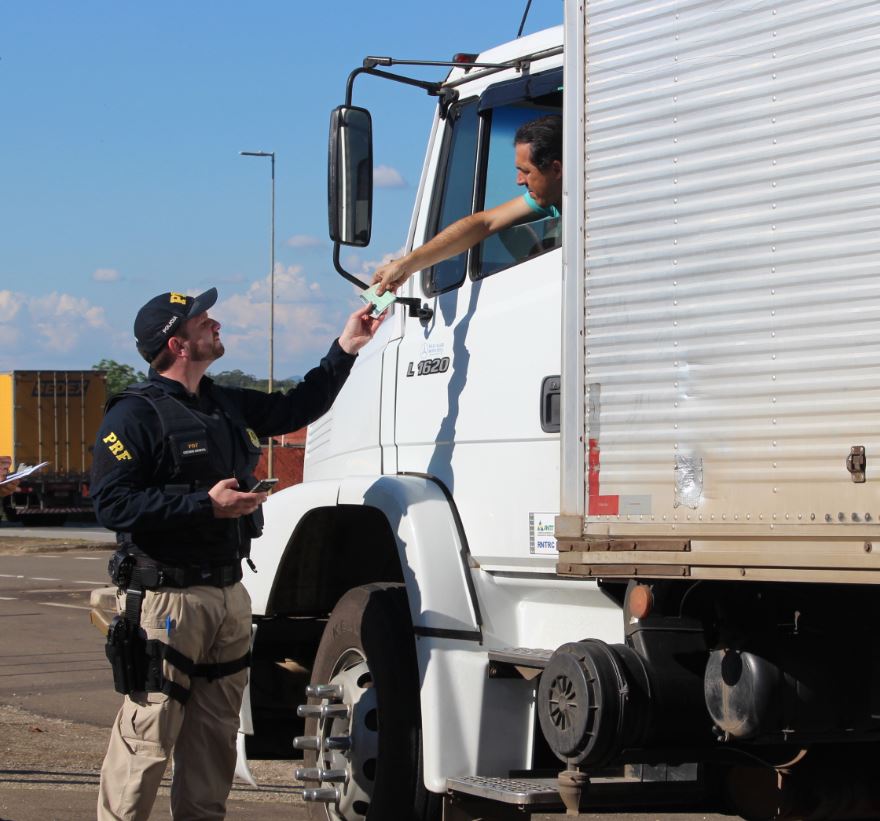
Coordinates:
(287, 457)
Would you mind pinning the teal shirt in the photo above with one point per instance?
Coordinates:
(552, 211)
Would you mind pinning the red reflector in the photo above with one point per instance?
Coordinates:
(462, 57)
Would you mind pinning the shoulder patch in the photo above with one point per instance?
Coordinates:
(116, 447)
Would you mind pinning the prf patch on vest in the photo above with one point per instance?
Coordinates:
(116, 447)
(191, 446)
(179, 299)
(255, 440)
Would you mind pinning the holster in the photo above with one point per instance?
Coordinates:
(126, 652)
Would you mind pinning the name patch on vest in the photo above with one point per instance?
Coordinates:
(193, 446)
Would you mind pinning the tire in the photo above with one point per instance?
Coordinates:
(368, 648)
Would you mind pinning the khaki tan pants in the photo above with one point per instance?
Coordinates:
(206, 624)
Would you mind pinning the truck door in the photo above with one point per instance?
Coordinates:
(469, 386)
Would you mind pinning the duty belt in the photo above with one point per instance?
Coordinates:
(149, 575)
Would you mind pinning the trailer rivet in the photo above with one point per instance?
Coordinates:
(868, 547)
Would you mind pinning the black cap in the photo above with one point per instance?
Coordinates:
(162, 317)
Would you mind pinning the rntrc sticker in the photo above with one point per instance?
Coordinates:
(428, 366)
(542, 534)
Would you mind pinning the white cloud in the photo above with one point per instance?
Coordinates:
(51, 330)
(9, 305)
(384, 176)
(305, 320)
(106, 275)
(62, 319)
(304, 241)
(367, 266)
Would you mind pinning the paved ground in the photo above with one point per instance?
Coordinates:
(79, 532)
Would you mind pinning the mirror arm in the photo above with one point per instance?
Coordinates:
(416, 309)
(338, 266)
(432, 88)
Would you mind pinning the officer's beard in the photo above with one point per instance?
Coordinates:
(206, 353)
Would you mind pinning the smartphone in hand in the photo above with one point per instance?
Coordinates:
(263, 486)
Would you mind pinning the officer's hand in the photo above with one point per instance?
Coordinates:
(230, 503)
(360, 329)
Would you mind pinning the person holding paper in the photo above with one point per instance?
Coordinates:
(173, 476)
(8, 488)
(538, 158)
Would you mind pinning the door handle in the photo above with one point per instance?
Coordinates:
(550, 393)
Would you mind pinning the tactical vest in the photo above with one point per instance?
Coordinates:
(195, 465)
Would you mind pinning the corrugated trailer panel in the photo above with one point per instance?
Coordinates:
(56, 418)
(732, 247)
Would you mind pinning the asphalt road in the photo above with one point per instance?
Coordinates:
(57, 700)
(79, 531)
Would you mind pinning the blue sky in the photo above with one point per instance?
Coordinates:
(120, 127)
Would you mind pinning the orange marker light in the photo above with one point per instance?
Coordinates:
(641, 601)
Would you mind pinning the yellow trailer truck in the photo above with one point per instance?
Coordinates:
(50, 416)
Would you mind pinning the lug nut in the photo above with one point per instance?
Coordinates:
(307, 742)
(333, 692)
(337, 742)
(335, 711)
(307, 774)
(326, 795)
(309, 710)
(333, 776)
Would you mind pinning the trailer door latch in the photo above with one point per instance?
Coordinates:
(856, 463)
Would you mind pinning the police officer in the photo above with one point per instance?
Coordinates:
(173, 464)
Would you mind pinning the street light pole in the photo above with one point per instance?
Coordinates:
(271, 155)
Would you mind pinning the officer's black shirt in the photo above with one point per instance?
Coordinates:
(132, 463)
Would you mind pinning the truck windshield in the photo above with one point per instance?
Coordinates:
(457, 195)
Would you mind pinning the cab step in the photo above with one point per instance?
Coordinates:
(637, 786)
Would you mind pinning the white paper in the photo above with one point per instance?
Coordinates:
(23, 472)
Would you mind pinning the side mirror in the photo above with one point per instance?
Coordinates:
(350, 176)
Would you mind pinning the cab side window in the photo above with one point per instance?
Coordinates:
(519, 242)
(456, 197)
(477, 171)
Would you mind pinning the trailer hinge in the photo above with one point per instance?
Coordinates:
(856, 463)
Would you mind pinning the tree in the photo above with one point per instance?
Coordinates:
(240, 379)
(119, 376)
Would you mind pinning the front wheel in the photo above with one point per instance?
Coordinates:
(370, 735)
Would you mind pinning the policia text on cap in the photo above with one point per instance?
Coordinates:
(171, 458)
